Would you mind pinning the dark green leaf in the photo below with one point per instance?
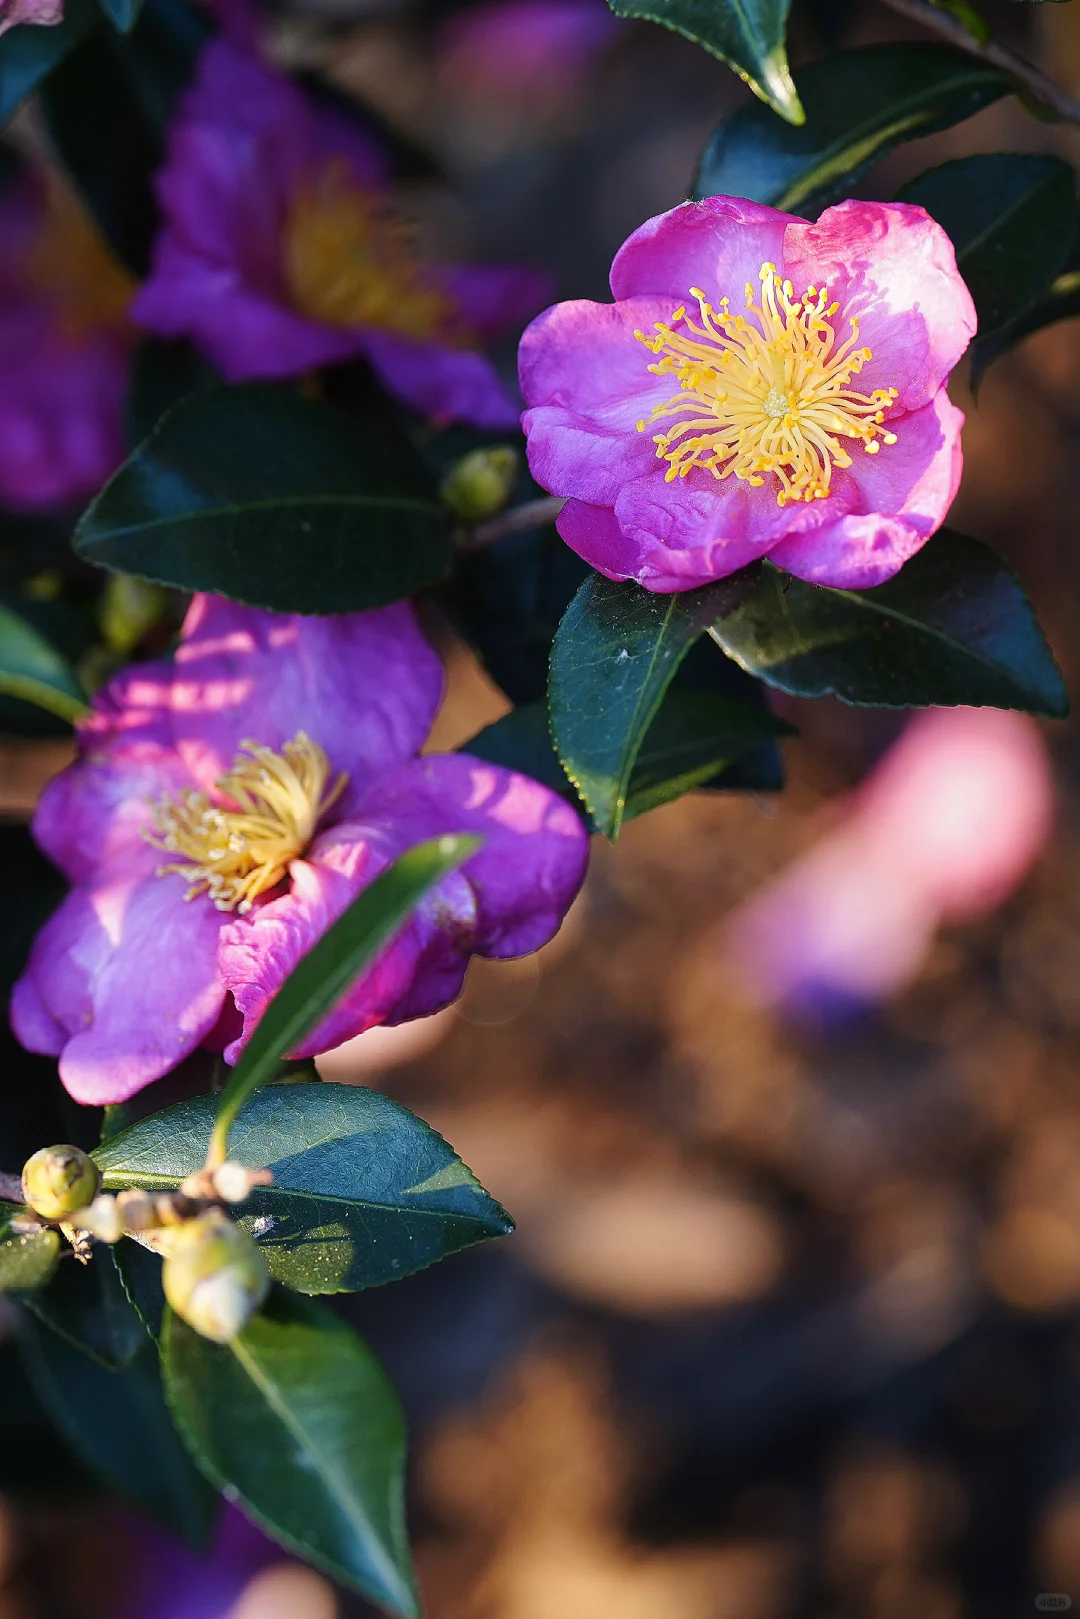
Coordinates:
(33, 670)
(27, 1261)
(953, 627)
(272, 499)
(323, 975)
(690, 744)
(859, 105)
(299, 1420)
(28, 53)
(364, 1192)
(747, 34)
(35, 1462)
(139, 1271)
(86, 1306)
(1012, 220)
(1061, 301)
(163, 373)
(613, 658)
(118, 1423)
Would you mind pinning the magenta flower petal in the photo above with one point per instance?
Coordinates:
(31, 1021)
(446, 384)
(129, 972)
(45, 13)
(494, 297)
(805, 421)
(91, 817)
(365, 686)
(889, 264)
(718, 245)
(507, 900)
(918, 481)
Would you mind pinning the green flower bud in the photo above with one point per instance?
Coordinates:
(480, 484)
(128, 608)
(214, 1276)
(58, 1180)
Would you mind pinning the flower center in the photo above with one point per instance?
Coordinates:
(71, 264)
(349, 261)
(236, 854)
(764, 392)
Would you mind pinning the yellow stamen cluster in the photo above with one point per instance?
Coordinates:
(234, 855)
(765, 392)
(349, 261)
(72, 264)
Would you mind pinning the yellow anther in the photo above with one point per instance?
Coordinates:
(349, 261)
(766, 395)
(237, 852)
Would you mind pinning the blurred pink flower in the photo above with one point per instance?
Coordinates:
(282, 251)
(523, 47)
(65, 348)
(944, 829)
(43, 13)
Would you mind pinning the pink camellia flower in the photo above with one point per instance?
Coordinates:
(65, 349)
(227, 807)
(44, 13)
(945, 828)
(281, 252)
(760, 387)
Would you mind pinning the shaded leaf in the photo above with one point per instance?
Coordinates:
(35, 1462)
(297, 1419)
(746, 34)
(27, 1261)
(1012, 219)
(139, 1271)
(32, 669)
(614, 656)
(1060, 301)
(123, 14)
(86, 1306)
(28, 53)
(263, 496)
(162, 374)
(952, 627)
(331, 965)
(860, 104)
(364, 1192)
(117, 1422)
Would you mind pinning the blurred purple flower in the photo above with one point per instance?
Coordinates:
(521, 47)
(43, 13)
(945, 828)
(162, 1578)
(281, 251)
(813, 429)
(65, 347)
(274, 766)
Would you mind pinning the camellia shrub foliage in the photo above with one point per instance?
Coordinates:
(247, 437)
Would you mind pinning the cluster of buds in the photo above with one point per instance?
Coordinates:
(214, 1275)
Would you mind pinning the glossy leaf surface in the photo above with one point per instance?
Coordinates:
(953, 627)
(860, 104)
(1011, 217)
(1060, 301)
(26, 1261)
(87, 1306)
(364, 1192)
(297, 1417)
(271, 499)
(117, 1422)
(32, 669)
(614, 656)
(747, 34)
(320, 977)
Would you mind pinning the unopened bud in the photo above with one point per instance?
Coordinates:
(233, 1182)
(58, 1180)
(128, 608)
(214, 1276)
(136, 1209)
(480, 484)
(101, 1219)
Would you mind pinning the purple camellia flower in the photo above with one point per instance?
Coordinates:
(65, 349)
(760, 387)
(227, 807)
(281, 251)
